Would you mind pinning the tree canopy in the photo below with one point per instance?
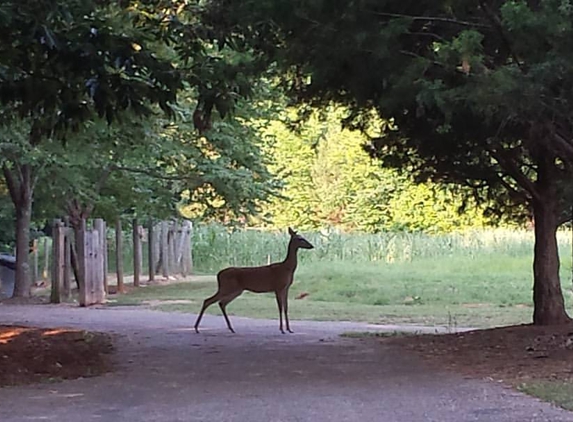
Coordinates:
(476, 93)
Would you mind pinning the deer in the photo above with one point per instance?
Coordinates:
(276, 277)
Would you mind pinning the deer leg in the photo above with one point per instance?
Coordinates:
(223, 304)
(285, 298)
(279, 297)
(208, 302)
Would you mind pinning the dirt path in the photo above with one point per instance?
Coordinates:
(166, 373)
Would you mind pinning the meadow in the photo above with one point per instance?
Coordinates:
(480, 278)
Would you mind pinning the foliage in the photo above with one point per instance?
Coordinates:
(215, 247)
(476, 95)
(64, 64)
(331, 181)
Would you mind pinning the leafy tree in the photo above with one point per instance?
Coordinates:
(479, 94)
(64, 63)
(61, 63)
(330, 180)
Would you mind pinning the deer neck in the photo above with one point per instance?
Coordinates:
(291, 259)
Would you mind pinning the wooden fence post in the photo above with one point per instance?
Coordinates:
(97, 264)
(150, 248)
(46, 259)
(119, 255)
(171, 252)
(136, 253)
(67, 262)
(99, 226)
(165, 249)
(81, 261)
(35, 254)
(185, 251)
(58, 234)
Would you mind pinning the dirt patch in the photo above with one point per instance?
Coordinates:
(512, 354)
(29, 355)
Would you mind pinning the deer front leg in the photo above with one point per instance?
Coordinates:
(223, 304)
(285, 298)
(279, 296)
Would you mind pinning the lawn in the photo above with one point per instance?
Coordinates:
(482, 291)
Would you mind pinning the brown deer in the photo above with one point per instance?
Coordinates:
(276, 277)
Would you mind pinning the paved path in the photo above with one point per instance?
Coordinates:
(167, 373)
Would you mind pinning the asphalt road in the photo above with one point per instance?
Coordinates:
(166, 372)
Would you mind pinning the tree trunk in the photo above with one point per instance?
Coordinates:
(23, 205)
(547, 293)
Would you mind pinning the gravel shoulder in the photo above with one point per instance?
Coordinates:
(166, 372)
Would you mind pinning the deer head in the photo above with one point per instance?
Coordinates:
(298, 241)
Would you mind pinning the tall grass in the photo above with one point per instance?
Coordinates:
(215, 247)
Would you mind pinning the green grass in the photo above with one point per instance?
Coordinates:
(484, 291)
(557, 392)
(478, 279)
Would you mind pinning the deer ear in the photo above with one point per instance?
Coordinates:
(291, 232)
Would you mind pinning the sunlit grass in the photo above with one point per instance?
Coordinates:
(477, 279)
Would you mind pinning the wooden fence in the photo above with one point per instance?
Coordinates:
(85, 256)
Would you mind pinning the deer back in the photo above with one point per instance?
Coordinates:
(268, 278)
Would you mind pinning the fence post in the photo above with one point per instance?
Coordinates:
(97, 267)
(35, 254)
(99, 226)
(81, 260)
(119, 255)
(165, 249)
(136, 253)
(171, 242)
(58, 261)
(46, 259)
(184, 256)
(150, 248)
(67, 262)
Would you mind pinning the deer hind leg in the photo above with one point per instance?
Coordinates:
(206, 303)
(285, 299)
(223, 304)
(280, 299)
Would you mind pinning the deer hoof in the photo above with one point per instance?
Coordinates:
(290, 331)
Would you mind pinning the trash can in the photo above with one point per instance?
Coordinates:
(7, 275)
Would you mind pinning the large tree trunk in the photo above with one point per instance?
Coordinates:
(21, 192)
(547, 293)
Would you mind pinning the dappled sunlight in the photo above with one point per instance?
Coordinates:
(55, 332)
(9, 335)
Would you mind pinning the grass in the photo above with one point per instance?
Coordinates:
(484, 291)
(478, 278)
(559, 393)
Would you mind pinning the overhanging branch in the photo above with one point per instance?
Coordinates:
(157, 175)
(11, 184)
(511, 168)
(429, 19)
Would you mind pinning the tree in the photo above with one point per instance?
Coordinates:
(65, 63)
(61, 63)
(478, 93)
(329, 180)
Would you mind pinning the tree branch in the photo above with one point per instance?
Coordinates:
(156, 175)
(429, 18)
(11, 184)
(511, 168)
(101, 182)
(496, 23)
